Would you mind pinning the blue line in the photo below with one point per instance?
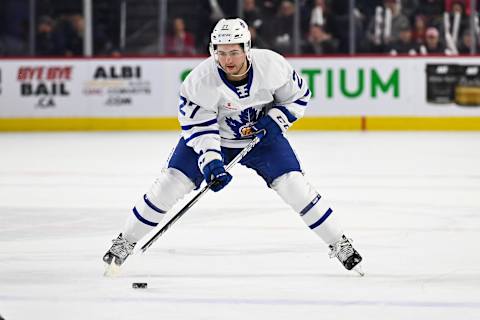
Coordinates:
(322, 219)
(142, 219)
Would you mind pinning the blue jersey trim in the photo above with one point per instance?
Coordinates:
(201, 133)
(223, 76)
(151, 205)
(203, 124)
(300, 102)
(322, 219)
(142, 219)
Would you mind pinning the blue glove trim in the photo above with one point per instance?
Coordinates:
(291, 118)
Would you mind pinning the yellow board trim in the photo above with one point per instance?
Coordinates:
(310, 123)
(85, 124)
(329, 123)
(423, 123)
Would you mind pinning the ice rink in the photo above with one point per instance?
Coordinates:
(409, 200)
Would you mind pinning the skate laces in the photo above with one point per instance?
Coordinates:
(342, 249)
(121, 247)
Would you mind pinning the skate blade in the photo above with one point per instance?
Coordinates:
(112, 270)
(358, 269)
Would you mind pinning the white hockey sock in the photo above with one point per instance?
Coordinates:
(171, 186)
(315, 211)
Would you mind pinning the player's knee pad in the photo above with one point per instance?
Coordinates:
(171, 186)
(296, 191)
(167, 189)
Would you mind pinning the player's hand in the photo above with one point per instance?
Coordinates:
(274, 123)
(215, 171)
(267, 128)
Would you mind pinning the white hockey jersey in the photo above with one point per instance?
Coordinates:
(214, 113)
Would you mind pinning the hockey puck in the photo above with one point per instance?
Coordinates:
(139, 285)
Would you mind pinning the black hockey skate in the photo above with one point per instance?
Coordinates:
(347, 255)
(117, 254)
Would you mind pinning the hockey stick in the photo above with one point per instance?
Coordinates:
(243, 153)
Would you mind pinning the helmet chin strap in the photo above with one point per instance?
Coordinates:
(239, 75)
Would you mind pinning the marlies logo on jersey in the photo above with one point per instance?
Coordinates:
(247, 118)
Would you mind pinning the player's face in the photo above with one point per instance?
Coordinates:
(232, 59)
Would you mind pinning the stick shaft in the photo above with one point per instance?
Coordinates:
(194, 200)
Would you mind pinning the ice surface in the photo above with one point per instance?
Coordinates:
(410, 201)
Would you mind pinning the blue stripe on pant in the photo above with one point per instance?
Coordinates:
(142, 219)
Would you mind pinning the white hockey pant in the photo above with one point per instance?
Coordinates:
(171, 186)
(315, 211)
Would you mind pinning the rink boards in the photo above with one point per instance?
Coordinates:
(367, 93)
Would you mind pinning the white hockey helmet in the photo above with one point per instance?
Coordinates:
(230, 31)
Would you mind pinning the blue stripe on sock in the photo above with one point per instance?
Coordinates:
(322, 219)
(151, 205)
(142, 219)
(310, 205)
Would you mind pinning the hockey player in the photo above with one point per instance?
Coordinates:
(224, 101)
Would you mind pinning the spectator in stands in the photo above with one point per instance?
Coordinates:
(257, 40)
(409, 7)
(455, 22)
(433, 45)
(270, 8)
(281, 31)
(319, 42)
(378, 34)
(252, 14)
(318, 15)
(339, 22)
(419, 29)
(180, 42)
(404, 44)
(222, 8)
(367, 7)
(76, 39)
(44, 41)
(464, 4)
(399, 20)
(254, 17)
(68, 35)
(466, 43)
(11, 45)
(433, 9)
